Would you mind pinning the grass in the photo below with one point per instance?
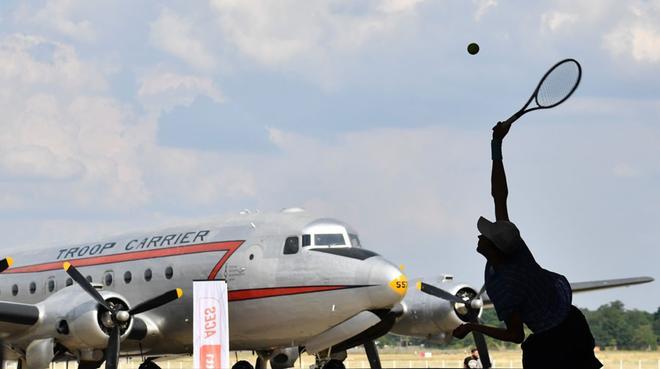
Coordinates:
(414, 358)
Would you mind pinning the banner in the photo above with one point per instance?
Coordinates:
(210, 325)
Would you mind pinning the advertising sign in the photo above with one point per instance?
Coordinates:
(210, 325)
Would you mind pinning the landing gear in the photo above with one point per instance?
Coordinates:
(327, 360)
(262, 362)
(242, 364)
(334, 364)
(89, 364)
(148, 364)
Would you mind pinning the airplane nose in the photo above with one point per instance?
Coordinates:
(389, 284)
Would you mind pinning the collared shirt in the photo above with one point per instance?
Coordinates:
(541, 297)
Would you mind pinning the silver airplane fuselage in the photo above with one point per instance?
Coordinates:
(278, 296)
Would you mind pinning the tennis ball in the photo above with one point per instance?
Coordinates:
(473, 48)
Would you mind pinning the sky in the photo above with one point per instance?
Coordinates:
(119, 117)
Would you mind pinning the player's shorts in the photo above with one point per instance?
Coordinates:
(568, 345)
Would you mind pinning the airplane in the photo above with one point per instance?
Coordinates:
(296, 283)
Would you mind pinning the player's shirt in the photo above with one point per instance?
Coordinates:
(541, 297)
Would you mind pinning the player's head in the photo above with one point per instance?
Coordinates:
(502, 235)
(475, 353)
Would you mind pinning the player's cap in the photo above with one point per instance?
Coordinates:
(504, 234)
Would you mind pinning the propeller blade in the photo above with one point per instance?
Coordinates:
(481, 292)
(112, 352)
(6, 263)
(438, 292)
(157, 301)
(85, 284)
(372, 354)
(480, 342)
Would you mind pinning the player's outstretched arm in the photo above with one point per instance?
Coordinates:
(513, 332)
(499, 188)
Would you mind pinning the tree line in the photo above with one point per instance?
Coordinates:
(614, 328)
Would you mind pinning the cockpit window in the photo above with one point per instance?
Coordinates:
(291, 245)
(355, 240)
(329, 239)
(306, 240)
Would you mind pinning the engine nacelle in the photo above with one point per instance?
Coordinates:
(75, 320)
(429, 316)
(284, 358)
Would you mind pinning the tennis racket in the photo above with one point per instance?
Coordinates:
(556, 86)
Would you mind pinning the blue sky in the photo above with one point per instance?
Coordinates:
(120, 117)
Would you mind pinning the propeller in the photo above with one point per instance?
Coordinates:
(117, 317)
(6, 263)
(469, 308)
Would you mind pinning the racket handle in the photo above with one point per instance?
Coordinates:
(514, 117)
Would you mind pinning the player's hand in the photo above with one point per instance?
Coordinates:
(462, 330)
(500, 130)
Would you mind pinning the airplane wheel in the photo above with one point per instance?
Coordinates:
(242, 364)
(334, 364)
(148, 364)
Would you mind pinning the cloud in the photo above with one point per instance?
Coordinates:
(30, 61)
(161, 90)
(557, 21)
(176, 35)
(641, 42)
(61, 138)
(67, 143)
(273, 34)
(58, 15)
(624, 170)
(483, 6)
(637, 35)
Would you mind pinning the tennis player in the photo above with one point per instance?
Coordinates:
(524, 293)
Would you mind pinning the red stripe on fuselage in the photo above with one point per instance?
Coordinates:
(280, 291)
(228, 246)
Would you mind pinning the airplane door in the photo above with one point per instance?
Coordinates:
(240, 265)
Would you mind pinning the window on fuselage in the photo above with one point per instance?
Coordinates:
(329, 239)
(169, 272)
(355, 240)
(14, 290)
(107, 279)
(51, 285)
(147, 275)
(128, 277)
(291, 245)
(33, 288)
(306, 240)
(69, 282)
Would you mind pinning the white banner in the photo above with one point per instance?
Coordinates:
(210, 325)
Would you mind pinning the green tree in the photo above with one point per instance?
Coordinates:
(609, 326)
(656, 325)
(644, 338)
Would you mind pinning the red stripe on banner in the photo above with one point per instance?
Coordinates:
(284, 291)
(229, 246)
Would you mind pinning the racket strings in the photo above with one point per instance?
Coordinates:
(558, 85)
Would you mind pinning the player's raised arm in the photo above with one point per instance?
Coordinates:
(499, 189)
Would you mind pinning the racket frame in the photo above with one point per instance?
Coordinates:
(534, 95)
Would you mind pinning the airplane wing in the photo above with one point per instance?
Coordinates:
(608, 283)
(592, 286)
